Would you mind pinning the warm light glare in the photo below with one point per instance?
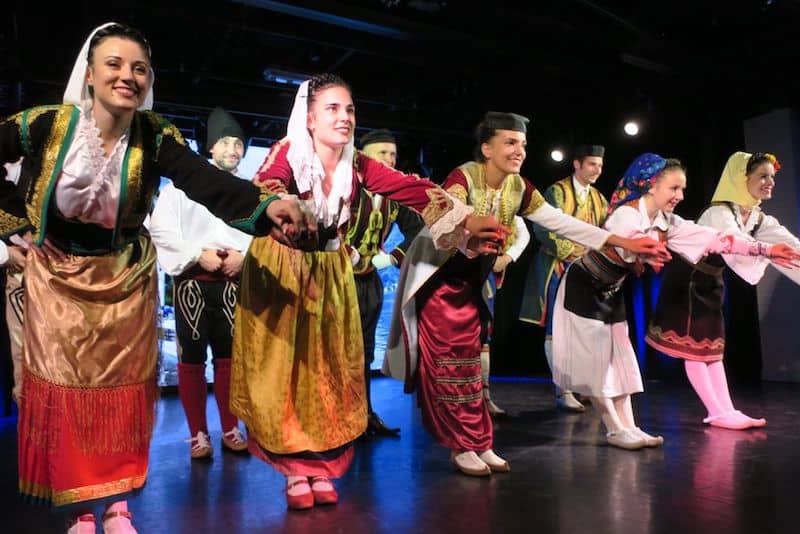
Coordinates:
(557, 155)
(631, 128)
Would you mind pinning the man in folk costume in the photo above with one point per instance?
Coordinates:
(576, 196)
(204, 255)
(370, 223)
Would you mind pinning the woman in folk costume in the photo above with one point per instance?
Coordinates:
(90, 169)
(592, 353)
(688, 322)
(440, 314)
(298, 362)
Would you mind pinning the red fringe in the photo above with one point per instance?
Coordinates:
(104, 420)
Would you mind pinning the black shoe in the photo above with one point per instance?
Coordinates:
(376, 427)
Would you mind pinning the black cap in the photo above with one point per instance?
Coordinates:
(222, 124)
(582, 151)
(497, 120)
(377, 136)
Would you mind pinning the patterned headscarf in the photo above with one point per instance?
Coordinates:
(637, 180)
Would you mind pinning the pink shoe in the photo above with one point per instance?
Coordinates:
(300, 501)
(327, 496)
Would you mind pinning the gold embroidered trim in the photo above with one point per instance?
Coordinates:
(458, 362)
(439, 203)
(135, 159)
(458, 381)
(10, 223)
(458, 191)
(537, 201)
(460, 399)
(56, 139)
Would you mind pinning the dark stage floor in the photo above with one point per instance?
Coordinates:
(563, 479)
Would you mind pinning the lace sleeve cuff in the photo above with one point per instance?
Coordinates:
(448, 231)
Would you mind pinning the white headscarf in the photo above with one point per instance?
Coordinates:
(307, 167)
(78, 89)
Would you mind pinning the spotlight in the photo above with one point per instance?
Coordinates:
(557, 155)
(631, 128)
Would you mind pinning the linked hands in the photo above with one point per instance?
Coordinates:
(295, 224)
(487, 235)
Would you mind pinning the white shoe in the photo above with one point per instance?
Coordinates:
(201, 446)
(495, 463)
(83, 525)
(118, 523)
(649, 441)
(234, 440)
(469, 463)
(567, 401)
(625, 439)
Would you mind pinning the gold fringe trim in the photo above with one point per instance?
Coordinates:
(458, 381)
(458, 362)
(459, 399)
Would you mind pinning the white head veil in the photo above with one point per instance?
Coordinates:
(78, 89)
(307, 167)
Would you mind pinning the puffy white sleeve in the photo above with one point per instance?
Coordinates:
(749, 268)
(175, 254)
(693, 241)
(625, 221)
(556, 221)
(523, 238)
(771, 231)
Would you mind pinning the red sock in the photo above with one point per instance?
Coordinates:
(192, 391)
(222, 391)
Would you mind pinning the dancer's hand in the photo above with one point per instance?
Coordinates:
(232, 263)
(642, 245)
(501, 263)
(487, 236)
(293, 218)
(210, 261)
(784, 255)
(49, 250)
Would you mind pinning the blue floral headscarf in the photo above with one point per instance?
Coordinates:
(637, 180)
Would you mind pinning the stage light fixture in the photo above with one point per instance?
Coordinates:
(631, 128)
(557, 155)
(285, 77)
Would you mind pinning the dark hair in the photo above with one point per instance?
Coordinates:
(320, 82)
(118, 30)
(482, 135)
(760, 158)
(673, 164)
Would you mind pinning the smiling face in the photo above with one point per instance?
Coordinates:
(761, 181)
(667, 191)
(385, 152)
(588, 170)
(119, 75)
(505, 151)
(227, 152)
(332, 116)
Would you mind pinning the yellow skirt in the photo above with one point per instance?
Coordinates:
(88, 391)
(298, 358)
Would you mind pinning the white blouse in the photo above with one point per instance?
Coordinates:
(89, 184)
(182, 229)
